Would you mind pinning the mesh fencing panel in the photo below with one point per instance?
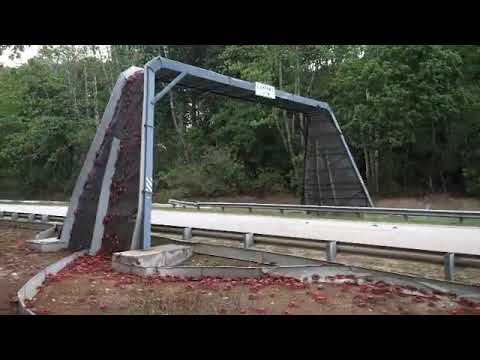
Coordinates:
(329, 175)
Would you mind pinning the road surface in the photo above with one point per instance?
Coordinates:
(438, 238)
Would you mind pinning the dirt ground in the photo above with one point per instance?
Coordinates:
(18, 263)
(433, 201)
(88, 286)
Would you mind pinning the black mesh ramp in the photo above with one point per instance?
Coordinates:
(329, 174)
(119, 222)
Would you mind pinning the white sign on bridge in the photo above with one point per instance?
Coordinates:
(264, 90)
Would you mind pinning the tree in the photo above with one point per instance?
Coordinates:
(392, 99)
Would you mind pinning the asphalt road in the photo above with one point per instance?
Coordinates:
(439, 238)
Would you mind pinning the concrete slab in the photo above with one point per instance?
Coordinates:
(51, 232)
(47, 245)
(153, 258)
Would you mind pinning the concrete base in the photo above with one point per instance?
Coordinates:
(47, 245)
(51, 232)
(147, 262)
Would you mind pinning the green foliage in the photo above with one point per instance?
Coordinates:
(46, 154)
(411, 115)
(268, 181)
(217, 172)
(472, 178)
(403, 102)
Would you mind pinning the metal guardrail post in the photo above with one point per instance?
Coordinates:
(332, 251)
(2, 214)
(45, 218)
(187, 233)
(248, 240)
(449, 265)
(31, 217)
(14, 217)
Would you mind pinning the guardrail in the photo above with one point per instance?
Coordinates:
(31, 217)
(250, 239)
(359, 211)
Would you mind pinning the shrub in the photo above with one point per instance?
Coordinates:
(268, 181)
(216, 173)
(472, 181)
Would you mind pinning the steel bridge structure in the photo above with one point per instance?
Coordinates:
(331, 176)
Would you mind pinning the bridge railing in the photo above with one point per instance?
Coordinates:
(359, 211)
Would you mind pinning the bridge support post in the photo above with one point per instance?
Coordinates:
(187, 233)
(449, 265)
(248, 240)
(332, 251)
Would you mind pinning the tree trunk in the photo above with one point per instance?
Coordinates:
(87, 112)
(377, 183)
(178, 123)
(177, 120)
(97, 116)
(432, 163)
(72, 90)
(367, 167)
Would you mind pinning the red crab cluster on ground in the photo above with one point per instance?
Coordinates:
(368, 292)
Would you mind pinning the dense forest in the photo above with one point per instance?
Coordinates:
(410, 114)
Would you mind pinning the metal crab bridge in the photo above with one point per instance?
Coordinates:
(110, 208)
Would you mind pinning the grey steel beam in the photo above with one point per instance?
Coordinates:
(281, 97)
(142, 231)
(148, 132)
(169, 87)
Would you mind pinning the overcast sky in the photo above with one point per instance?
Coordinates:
(29, 52)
